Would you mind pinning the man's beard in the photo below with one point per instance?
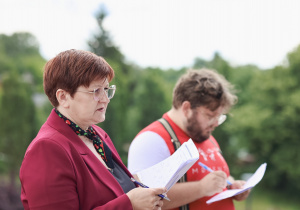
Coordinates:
(194, 129)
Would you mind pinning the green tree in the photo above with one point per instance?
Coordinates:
(152, 98)
(267, 123)
(20, 80)
(294, 62)
(116, 122)
(102, 43)
(19, 44)
(19, 127)
(20, 51)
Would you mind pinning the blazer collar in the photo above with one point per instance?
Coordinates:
(58, 124)
(89, 158)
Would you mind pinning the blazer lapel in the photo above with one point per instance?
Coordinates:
(91, 161)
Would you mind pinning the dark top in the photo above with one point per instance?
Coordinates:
(123, 179)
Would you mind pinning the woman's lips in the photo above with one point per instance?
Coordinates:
(101, 109)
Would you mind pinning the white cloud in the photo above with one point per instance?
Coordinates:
(164, 33)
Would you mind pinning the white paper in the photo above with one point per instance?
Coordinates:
(252, 181)
(167, 172)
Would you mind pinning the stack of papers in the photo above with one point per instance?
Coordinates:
(167, 172)
(252, 181)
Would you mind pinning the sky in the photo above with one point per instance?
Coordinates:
(163, 33)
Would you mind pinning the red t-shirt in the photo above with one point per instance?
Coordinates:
(209, 154)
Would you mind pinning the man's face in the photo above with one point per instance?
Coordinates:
(201, 123)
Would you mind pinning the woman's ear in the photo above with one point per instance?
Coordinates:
(63, 98)
(186, 109)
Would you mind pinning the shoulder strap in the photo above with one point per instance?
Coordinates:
(176, 145)
(170, 130)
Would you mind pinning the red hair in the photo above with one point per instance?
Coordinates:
(71, 69)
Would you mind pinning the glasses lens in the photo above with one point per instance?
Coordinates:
(222, 118)
(111, 91)
(97, 94)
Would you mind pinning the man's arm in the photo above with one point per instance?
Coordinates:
(146, 150)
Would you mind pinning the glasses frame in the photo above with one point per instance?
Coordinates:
(220, 119)
(211, 120)
(105, 90)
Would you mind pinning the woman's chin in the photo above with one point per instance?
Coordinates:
(101, 119)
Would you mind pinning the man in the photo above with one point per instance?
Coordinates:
(200, 97)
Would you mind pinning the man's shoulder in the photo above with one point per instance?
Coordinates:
(155, 127)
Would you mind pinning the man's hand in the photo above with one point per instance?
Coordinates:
(214, 182)
(238, 184)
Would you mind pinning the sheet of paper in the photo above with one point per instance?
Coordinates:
(167, 172)
(252, 181)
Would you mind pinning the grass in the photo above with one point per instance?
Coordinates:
(266, 200)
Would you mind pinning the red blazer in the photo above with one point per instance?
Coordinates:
(60, 172)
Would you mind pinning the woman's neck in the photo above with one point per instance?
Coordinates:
(65, 113)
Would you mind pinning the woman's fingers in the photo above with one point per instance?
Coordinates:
(146, 198)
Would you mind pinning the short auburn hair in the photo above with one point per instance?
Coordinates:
(204, 87)
(71, 69)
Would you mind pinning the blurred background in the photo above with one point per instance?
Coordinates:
(150, 44)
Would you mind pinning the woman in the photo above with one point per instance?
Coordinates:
(72, 163)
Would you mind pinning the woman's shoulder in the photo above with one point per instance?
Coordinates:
(49, 138)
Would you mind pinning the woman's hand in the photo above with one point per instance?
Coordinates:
(146, 198)
(213, 182)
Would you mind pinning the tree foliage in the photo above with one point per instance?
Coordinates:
(154, 94)
(20, 79)
(19, 118)
(266, 123)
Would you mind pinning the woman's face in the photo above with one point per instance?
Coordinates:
(84, 110)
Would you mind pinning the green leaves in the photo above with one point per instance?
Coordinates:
(20, 80)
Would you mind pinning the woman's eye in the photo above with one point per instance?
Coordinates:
(97, 90)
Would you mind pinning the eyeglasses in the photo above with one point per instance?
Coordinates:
(221, 119)
(98, 93)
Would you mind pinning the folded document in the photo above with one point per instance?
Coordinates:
(167, 172)
(252, 181)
